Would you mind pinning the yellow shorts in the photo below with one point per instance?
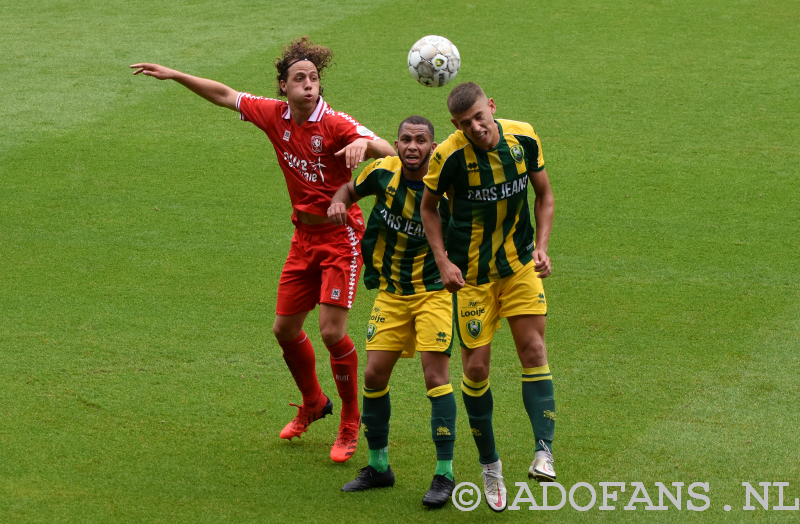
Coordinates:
(420, 322)
(480, 308)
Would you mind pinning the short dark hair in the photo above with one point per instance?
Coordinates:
(301, 48)
(416, 120)
(463, 97)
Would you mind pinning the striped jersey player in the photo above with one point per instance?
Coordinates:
(494, 262)
(412, 312)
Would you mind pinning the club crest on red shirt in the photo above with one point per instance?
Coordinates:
(316, 144)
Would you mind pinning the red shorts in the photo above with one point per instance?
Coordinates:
(323, 266)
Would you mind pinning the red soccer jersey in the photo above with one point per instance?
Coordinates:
(305, 153)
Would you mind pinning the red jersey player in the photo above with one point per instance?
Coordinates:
(317, 150)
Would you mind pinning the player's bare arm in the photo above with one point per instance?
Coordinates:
(344, 197)
(452, 278)
(543, 209)
(213, 91)
(360, 149)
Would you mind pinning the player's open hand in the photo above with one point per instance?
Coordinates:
(452, 278)
(541, 263)
(338, 213)
(354, 153)
(154, 70)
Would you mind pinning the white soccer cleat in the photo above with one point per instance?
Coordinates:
(542, 467)
(494, 488)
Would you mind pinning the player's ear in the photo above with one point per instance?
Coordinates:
(492, 107)
(395, 146)
(433, 146)
(455, 123)
(283, 87)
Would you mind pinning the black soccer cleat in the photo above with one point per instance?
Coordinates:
(369, 478)
(440, 492)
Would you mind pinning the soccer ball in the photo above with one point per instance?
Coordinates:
(433, 61)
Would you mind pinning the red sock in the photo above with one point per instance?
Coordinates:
(299, 357)
(344, 364)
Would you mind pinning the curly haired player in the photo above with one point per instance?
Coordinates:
(317, 149)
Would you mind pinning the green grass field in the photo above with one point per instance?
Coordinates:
(142, 232)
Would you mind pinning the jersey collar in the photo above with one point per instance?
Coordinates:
(316, 116)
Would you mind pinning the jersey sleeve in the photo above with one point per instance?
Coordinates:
(258, 110)
(367, 182)
(346, 129)
(533, 152)
(441, 171)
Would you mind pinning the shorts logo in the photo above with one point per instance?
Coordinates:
(441, 336)
(474, 327)
(335, 294)
(286, 135)
(316, 144)
(517, 153)
(371, 330)
(541, 298)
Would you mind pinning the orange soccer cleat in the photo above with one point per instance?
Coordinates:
(346, 441)
(306, 415)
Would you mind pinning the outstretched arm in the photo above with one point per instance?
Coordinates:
(361, 148)
(452, 278)
(344, 197)
(214, 92)
(543, 209)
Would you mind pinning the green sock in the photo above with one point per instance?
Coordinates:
(479, 405)
(443, 427)
(444, 467)
(375, 413)
(379, 459)
(537, 395)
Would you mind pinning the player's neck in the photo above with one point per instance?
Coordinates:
(300, 113)
(417, 175)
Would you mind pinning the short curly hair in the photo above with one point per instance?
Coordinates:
(301, 48)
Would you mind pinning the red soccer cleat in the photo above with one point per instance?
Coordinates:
(306, 415)
(346, 442)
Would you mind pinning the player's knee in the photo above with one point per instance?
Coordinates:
(534, 354)
(436, 378)
(375, 378)
(476, 371)
(331, 334)
(284, 331)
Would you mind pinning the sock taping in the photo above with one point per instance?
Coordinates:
(440, 391)
(474, 389)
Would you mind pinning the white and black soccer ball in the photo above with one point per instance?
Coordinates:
(433, 61)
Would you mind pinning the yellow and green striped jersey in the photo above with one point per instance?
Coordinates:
(491, 236)
(397, 256)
